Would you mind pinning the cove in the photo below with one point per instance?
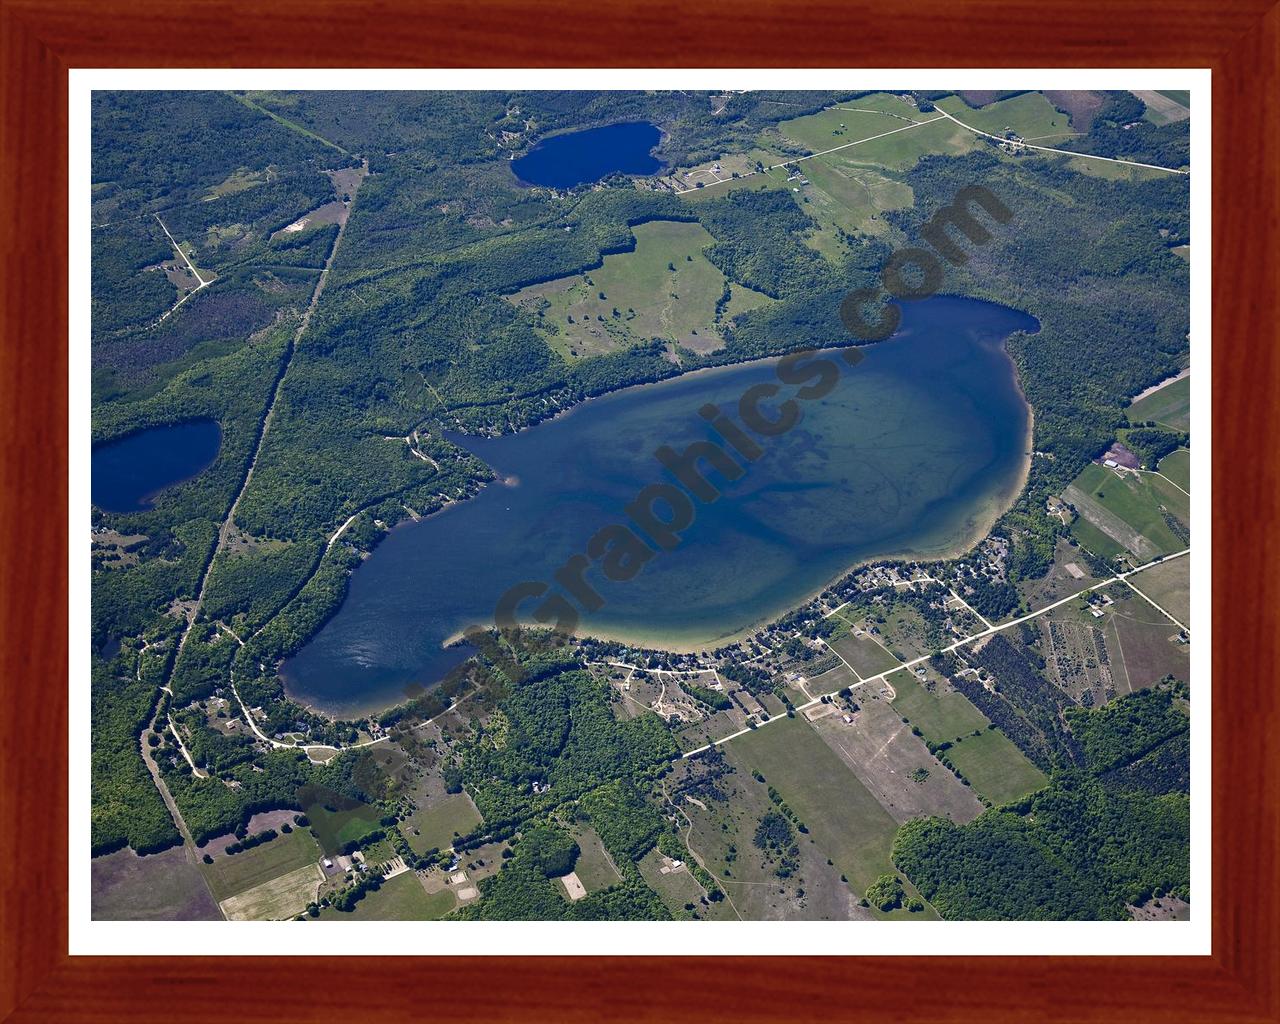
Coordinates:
(129, 473)
(575, 158)
(914, 453)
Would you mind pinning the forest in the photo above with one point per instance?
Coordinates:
(1082, 848)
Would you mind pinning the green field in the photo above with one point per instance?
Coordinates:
(1177, 467)
(232, 874)
(1169, 407)
(400, 899)
(594, 868)
(334, 828)
(277, 899)
(1127, 509)
(941, 715)
(437, 824)
(866, 657)
(1168, 585)
(1182, 96)
(842, 816)
(995, 767)
(664, 288)
(1030, 116)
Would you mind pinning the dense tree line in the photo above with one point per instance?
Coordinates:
(1090, 842)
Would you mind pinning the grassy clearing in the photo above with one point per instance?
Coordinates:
(675, 888)
(1177, 467)
(232, 874)
(594, 868)
(941, 714)
(1170, 406)
(849, 122)
(664, 288)
(1128, 509)
(276, 899)
(1169, 585)
(1069, 574)
(842, 815)
(435, 826)
(995, 767)
(1030, 116)
(864, 655)
(400, 899)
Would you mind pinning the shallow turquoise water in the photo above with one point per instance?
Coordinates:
(907, 455)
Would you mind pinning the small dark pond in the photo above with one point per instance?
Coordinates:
(129, 473)
(574, 158)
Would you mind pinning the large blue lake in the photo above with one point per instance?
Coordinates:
(914, 452)
(575, 158)
(129, 473)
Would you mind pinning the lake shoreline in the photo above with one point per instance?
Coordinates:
(952, 536)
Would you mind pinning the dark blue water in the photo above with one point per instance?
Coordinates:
(913, 453)
(128, 474)
(575, 158)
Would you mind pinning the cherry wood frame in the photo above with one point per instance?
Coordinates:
(41, 39)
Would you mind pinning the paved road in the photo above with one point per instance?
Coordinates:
(1064, 152)
(1118, 578)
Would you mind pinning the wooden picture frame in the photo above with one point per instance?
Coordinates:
(42, 39)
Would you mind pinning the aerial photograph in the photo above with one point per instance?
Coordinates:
(672, 505)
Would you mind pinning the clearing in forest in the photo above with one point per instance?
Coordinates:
(664, 288)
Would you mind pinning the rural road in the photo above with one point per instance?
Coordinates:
(1118, 578)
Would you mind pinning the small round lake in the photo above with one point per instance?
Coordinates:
(575, 158)
(129, 473)
(914, 453)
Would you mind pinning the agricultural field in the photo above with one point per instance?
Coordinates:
(933, 706)
(1030, 116)
(1141, 514)
(401, 898)
(1177, 467)
(995, 767)
(1145, 641)
(665, 288)
(1165, 106)
(1169, 586)
(276, 899)
(230, 874)
(844, 818)
(863, 653)
(1170, 407)
(164, 886)
(892, 762)
(436, 826)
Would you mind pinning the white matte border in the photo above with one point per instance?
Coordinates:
(807, 938)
